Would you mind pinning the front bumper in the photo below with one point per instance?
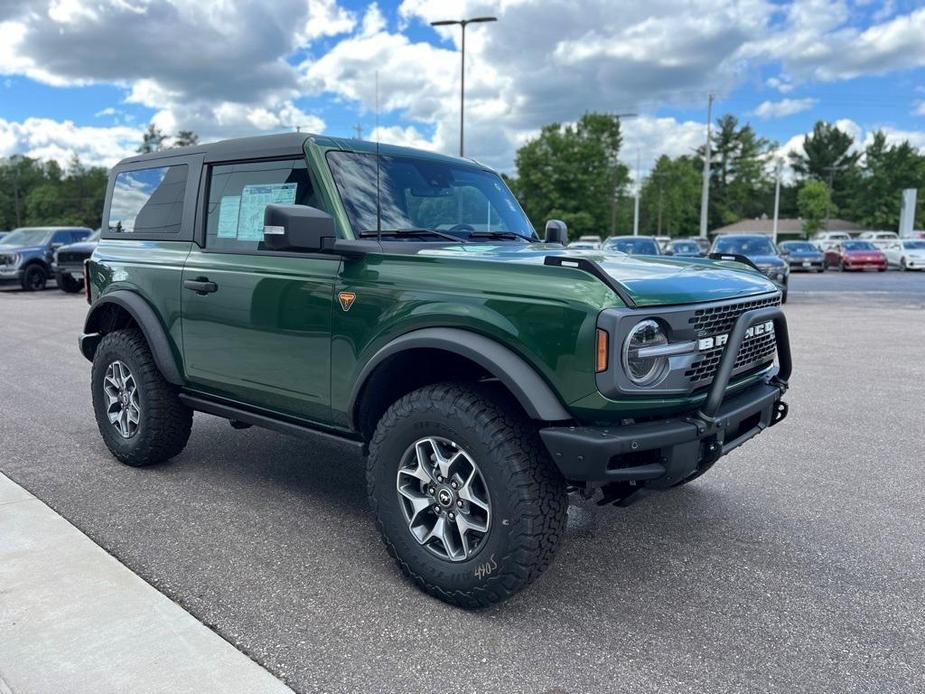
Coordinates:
(661, 453)
(10, 275)
(806, 264)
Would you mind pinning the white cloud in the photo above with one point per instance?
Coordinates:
(920, 109)
(43, 138)
(783, 108)
(817, 42)
(781, 84)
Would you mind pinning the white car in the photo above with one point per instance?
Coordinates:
(906, 254)
(826, 240)
(585, 245)
(881, 239)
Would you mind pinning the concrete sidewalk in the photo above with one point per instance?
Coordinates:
(73, 619)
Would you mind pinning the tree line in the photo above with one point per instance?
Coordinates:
(572, 172)
(40, 193)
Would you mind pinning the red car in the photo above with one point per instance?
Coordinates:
(856, 255)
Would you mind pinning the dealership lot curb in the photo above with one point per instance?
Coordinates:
(72, 618)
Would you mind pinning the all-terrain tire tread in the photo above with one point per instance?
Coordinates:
(168, 422)
(540, 502)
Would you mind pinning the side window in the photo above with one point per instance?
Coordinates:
(60, 238)
(239, 194)
(148, 202)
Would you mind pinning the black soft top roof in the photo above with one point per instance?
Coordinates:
(264, 146)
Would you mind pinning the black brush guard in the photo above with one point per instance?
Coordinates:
(662, 453)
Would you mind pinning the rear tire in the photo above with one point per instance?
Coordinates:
(66, 283)
(152, 424)
(34, 278)
(523, 494)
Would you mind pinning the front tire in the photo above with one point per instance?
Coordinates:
(472, 544)
(66, 283)
(139, 415)
(34, 278)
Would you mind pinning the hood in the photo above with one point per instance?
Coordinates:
(79, 247)
(804, 254)
(767, 260)
(864, 254)
(21, 249)
(649, 280)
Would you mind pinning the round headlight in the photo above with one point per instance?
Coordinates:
(644, 370)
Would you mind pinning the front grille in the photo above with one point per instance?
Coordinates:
(72, 257)
(6, 260)
(716, 320)
(756, 352)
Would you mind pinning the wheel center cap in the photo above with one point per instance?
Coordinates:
(445, 497)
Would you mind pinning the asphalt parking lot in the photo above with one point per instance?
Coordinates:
(794, 565)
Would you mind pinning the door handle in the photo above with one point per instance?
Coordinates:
(201, 286)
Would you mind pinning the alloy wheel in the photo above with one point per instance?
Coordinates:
(122, 404)
(444, 498)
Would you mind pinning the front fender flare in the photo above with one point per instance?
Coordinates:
(146, 318)
(520, 378)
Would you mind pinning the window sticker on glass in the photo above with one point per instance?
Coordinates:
(228, 217)
(254, 199)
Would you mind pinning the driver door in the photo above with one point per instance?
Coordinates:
(257, 323)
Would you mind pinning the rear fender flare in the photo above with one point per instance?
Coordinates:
(149, 324)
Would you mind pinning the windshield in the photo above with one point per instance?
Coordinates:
(914, 245)
(685, 247)
(799, 247)
(417, 193)
(752, 245)
(858, 246)
(633, 246)
(26, 237)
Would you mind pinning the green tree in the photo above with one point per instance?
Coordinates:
(827, 156)
(887, 170)
(813, 202)
(572, 172)
(186, 138)
(670, 197)
(739, 185)
(37, 193)
(152, 140)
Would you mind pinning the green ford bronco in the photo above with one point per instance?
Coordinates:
(401, 302)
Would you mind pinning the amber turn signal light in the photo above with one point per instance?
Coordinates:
(603, 349)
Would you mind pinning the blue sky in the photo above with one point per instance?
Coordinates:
(87, 76)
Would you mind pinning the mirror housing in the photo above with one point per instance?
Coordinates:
(297, 228)
(556, 232)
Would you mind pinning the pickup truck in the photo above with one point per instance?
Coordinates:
(401, 302)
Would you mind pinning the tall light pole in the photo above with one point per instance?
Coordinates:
(705, 194)
(462, 69)
(636, 203)
(613, 204)
(778, 169)
(828, 203)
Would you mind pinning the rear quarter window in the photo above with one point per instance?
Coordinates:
(148, 203)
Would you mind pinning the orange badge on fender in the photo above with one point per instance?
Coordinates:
(346, 300)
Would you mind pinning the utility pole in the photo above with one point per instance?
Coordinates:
(616, 192)
(831, 182)
(358, 131)
(638, 190)
(462, 67)
(705, 194)
(779, 168)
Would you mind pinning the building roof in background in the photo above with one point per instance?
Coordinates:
(785, 225)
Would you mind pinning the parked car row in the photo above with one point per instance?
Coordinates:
(29, 256)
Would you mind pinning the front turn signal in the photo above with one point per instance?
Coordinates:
(603, 350)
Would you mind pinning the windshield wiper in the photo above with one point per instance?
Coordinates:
(497, 235)
(412, 233)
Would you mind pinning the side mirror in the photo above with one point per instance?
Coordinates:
(297, 228)
(556, 232)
